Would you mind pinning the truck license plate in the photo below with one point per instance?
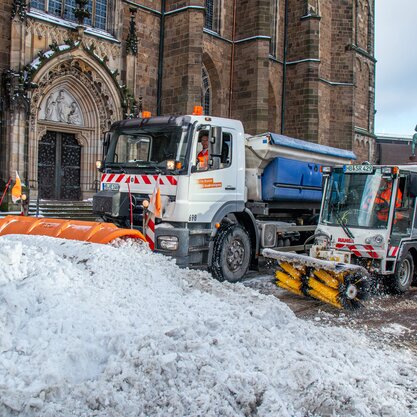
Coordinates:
(359, 169)
(110, 186)
(334, 256)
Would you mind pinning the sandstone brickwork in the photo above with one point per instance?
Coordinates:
(317, 84)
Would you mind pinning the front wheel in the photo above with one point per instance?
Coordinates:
(401, 281)
(231, 253)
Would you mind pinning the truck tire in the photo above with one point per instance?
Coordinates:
(231, 253)
(400, 282)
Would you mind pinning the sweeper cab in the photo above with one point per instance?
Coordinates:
(366, 227)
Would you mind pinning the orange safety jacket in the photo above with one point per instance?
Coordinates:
(203, 158)
(384, 198)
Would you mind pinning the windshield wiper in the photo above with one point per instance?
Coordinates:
(156, 167)
(342, 225)
(116, 165)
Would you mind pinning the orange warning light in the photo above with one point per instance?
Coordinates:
(146, 114)
(198, 111)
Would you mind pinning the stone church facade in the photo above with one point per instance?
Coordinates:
(70, 68)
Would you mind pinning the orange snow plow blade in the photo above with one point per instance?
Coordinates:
(66, 229)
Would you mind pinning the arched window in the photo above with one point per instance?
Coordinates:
(274, 28)
(212, 18)
(65, 9)
(205, 91)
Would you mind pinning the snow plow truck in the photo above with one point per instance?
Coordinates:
(255, 192)
(256, 196)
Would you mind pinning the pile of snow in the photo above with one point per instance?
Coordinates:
(94, 330)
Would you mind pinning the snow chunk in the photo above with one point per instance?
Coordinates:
(95, 330)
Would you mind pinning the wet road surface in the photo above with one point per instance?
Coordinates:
(387, 319)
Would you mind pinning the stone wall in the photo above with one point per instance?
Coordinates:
(5, 32)
(325, 91)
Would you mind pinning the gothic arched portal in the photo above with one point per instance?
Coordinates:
(76, 100)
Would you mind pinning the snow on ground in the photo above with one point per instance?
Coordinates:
(93, 330)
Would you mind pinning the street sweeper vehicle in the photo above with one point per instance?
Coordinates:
(208, 195)
(366, 230)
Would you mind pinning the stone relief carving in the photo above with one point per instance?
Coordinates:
(85, 76)
(61, 107)
(60, 35)
(42, 30)
(313, 7)
(104, 48)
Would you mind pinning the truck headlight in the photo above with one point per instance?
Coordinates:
(376, 240)
(168, 242)
(171, 164)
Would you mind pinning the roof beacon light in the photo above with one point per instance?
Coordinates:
(325, 170)
(146, 114)
(198, 111)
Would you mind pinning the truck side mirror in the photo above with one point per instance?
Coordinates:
(215, 146)
(412, 186)
(106, 142)
(215, 135)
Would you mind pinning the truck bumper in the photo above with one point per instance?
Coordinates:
(192, 248)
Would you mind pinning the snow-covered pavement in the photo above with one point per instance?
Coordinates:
(93, 330)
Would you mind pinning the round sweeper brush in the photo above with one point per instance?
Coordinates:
(353, 290)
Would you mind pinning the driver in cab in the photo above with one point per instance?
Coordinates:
(203, 155)
(383, 199)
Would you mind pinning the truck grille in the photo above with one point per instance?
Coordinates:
(114, 206)
(102, 204)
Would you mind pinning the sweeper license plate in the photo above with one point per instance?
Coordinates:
(334, 256)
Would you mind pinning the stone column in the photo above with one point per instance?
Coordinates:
(301, 101)
(183, 48)
(251, 66)
(131, 53)
(16, 100)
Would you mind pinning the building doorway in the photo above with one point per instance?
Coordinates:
(59, 167)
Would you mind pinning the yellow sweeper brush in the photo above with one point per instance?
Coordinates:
(338, 284)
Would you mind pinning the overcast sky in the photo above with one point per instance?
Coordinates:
(396, 71)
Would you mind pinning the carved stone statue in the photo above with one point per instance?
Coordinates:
(49, 107)
(74, 116)
(61, 107)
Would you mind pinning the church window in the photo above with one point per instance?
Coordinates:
(274, 28)
(205, 91)
(212, 18)
(38, 4)
(65, 9)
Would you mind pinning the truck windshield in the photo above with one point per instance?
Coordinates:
(148, 147)
(357, 199)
